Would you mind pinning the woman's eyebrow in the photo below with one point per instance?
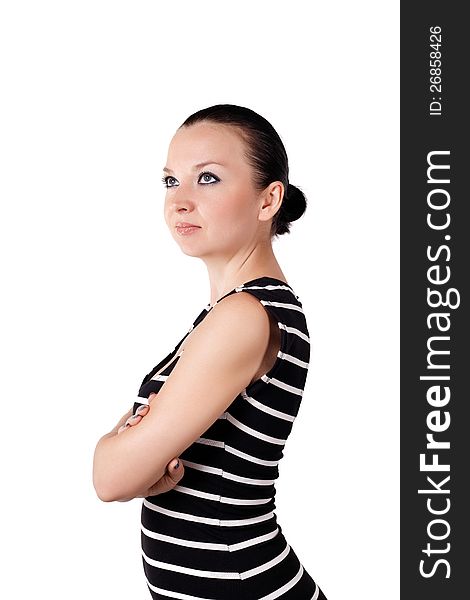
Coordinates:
(198, 166)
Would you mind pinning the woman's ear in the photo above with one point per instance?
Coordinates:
(271, 200)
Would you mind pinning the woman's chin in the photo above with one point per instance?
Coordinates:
(190, 252)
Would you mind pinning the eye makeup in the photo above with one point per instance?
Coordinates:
(166, 178)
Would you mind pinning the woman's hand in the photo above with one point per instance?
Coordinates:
(134, 419)
(174, 470)
(140, 413)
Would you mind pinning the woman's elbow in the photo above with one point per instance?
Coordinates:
(102, 488)
(105, 487)
(111, 485)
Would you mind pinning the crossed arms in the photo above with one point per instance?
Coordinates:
(219, 360)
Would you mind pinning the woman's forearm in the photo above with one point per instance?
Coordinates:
(115, 466)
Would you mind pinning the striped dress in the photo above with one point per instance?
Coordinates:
(215, 535)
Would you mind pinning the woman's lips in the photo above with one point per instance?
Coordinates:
(186, 229)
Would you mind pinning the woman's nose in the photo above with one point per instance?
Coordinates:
(182, 199)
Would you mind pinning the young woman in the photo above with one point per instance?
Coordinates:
(225, 399)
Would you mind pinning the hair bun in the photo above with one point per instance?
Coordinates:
(294, 203)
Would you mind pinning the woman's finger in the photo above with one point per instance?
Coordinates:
(141, 411)
(169, 479)
(132, 420)
(175, 469)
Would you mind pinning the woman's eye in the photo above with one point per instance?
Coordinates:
(166, 181)
(206, 175)
(204, 178)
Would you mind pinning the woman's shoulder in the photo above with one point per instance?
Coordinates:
(241, 312)
(231, 340)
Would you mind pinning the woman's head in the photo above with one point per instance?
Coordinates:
(247, 197)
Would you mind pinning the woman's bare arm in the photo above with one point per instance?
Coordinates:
(220, 359)
(174, 469)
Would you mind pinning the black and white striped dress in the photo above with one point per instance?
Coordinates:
(215, 535)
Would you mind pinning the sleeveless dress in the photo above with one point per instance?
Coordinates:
(215, 535)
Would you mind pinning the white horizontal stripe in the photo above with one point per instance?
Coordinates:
(210, 545)
(276, 594)
(295, 331)
(255, 540)
(217, 574)
(251, 458)
(210, 442)
(180, 515)
(207, 520)
(205, 468)
(226, 474)
(254, 432)
(271, 596)
(236, 452)
(223, 499)
(254, 459)
(281, 384)
(181, 542)
(188, 571)
(248, 480)
(293, 359)
(270, 286)
(281, 305)
(170, 594)
(287, 586)
(267, 409)
(267, 565)
(159, 378)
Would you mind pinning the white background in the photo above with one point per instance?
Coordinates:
(95, 291)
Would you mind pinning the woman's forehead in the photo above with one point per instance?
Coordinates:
(198, 145)
(206, 134)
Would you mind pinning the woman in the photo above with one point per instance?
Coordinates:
(225, 399)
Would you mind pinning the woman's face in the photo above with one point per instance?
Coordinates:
(218, 197)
